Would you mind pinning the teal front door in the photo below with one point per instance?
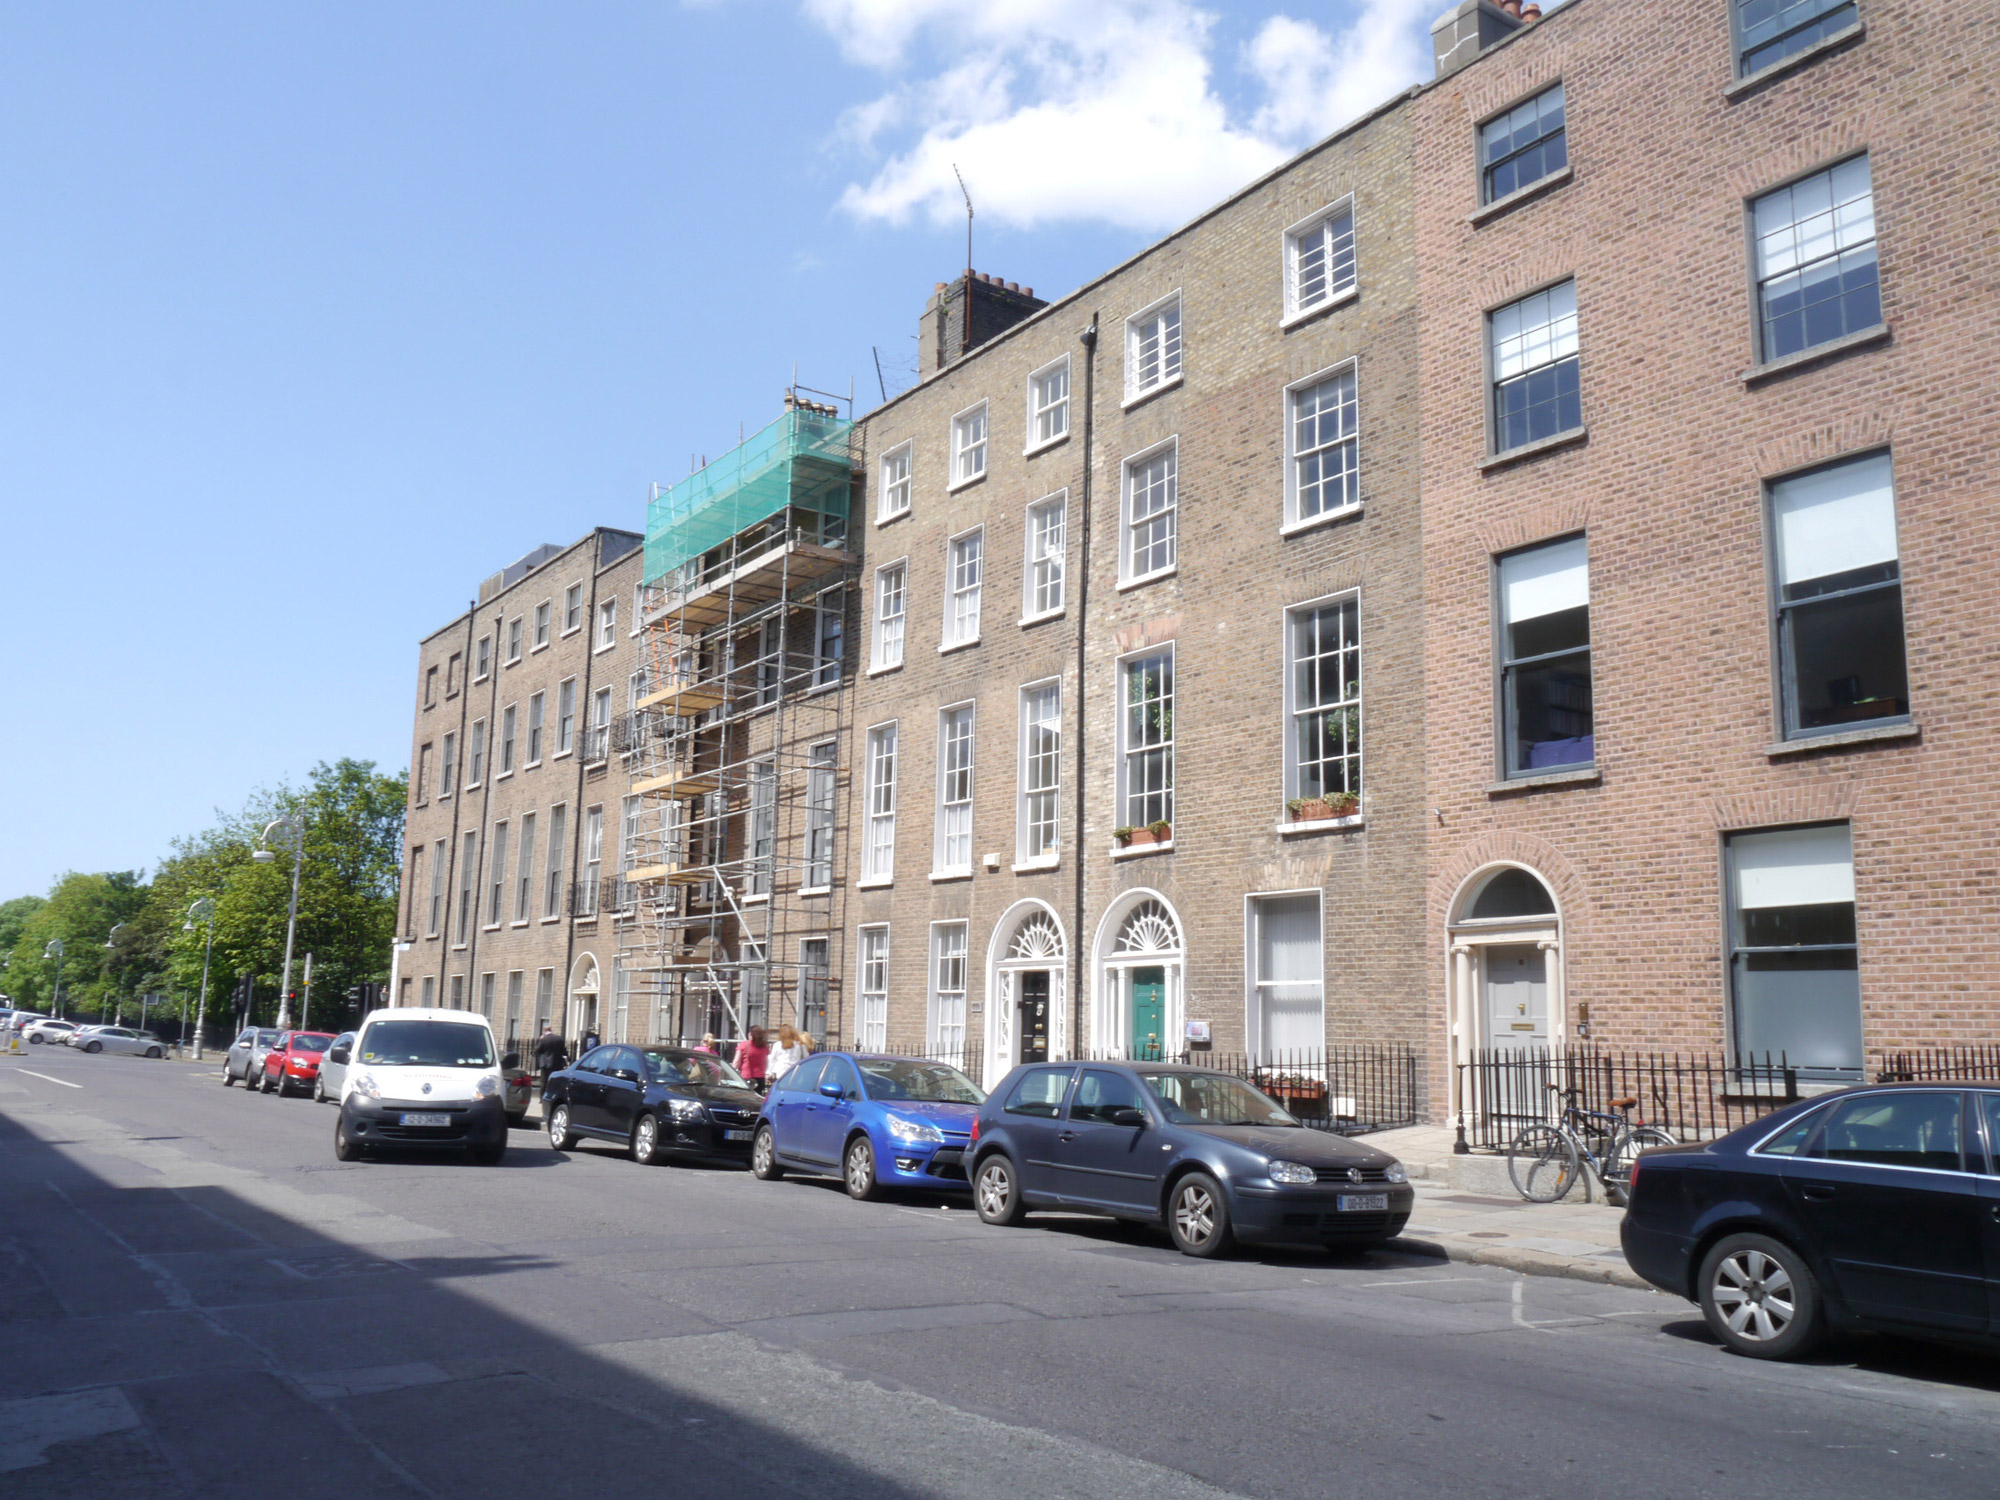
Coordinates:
(1149, 1013)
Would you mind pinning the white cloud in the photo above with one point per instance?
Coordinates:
(1101, 110)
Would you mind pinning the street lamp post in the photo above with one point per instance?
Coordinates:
(111, 946)
(202, 911)
(55, 950)
(264, 856)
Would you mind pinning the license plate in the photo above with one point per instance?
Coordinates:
(736, 1135)
(1362, 1203)
(440, 1120)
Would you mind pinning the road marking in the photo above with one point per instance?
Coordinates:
(1423, 1281)
(46, 1079)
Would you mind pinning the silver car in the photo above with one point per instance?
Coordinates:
(244, 1061)
(332, 1080)
(122, 1039)
(48, 1031)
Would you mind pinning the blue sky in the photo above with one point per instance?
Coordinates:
(317, 314)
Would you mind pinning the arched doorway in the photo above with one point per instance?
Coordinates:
(1506, 964)
(1140, 964)
(582, 1007)
(1026, 986)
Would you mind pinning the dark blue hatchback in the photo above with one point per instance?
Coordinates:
(877, 1121)
(1201, 1152)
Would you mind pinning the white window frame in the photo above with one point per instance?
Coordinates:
(1336, 293)
(599, 727)
(607, 624)
(447, 765)
(572, 609)
(1126, 751)
(1026, 855)
(510, 719)
(517, 635)
(948, 808)
(830, 640)
(1254, 982)
(1037, 407)
(892, 497)
(878, 849)
(482, 659)
(475, 755)
(538, 715)
(544, 626)
(565, 718)
(558, 862)
(524, 871)
(962, 601)
(496, 876)
(1127, 577)
(1172, 363)
(590, 868)
(890, 633)
(1293, 521)
(971, 434)
(468, 887)
(440, 854)
(1052, 565)
(1290, 747)
(822, 794)
(942, 1035)
(872, 1020)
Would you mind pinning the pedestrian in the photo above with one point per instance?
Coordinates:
(752, 1054)
(708, 1044)
(792, 1049)
(550, 1054)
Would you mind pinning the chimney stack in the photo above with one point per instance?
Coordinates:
(963, 314)
(1470, 27)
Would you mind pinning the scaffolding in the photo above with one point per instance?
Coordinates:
(729, 902)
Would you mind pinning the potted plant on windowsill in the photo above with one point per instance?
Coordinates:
(1291, 1087)
(1159, 831)
(1324, 809)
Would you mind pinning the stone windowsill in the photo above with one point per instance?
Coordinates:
(875, 883)
(1033, 866)
(1319, 309)
(1846, 739)
(1868, 338)
(1533, 450)
(1322, 825)
(1172, 382)
(1754, 81)
(1581, 776)
(1139, 851)
(1489, 211)
(1325, 518)
(939, 877)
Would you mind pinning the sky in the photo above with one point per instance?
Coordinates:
(314, 315)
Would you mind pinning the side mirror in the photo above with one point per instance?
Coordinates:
(626, 1074)
(1135, 1117)
(339, 1055)
(511, 1061)
(833, 1090)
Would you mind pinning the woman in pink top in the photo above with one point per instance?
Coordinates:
(753, 1054)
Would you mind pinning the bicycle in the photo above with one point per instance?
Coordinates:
(1545, 1160)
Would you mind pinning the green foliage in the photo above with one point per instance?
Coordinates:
(353, 818)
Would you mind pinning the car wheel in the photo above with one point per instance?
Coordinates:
(93, 1046)
(646, 1141)
(1760, 1298)
(35, 1040)
(319, 1092)
(227, 1076)
(559, 1132)
(1198, 1216)
(154, 1052)
(490, 1156)
(764, 1156)
(996, 1192)
(345, 1148)
(860, 1173)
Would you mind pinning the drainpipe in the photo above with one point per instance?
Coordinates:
(1080, 961)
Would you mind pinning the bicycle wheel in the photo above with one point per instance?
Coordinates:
(1542, 1162)
(1618, 1164)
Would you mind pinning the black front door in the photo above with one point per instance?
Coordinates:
(1032, 1017)
(1889, 1202)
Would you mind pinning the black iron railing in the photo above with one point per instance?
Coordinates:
(1969, 1062)
(1697, 1096)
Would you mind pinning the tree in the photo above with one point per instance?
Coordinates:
(81, 910)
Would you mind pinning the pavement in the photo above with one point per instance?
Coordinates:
(198, 1303)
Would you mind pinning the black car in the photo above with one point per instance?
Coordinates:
(657, 1102)
(1200, 1152)
(1873, 1208)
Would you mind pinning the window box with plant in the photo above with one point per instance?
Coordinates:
(1324, 809)
(1159, 831)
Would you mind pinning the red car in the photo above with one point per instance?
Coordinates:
(293, 1061)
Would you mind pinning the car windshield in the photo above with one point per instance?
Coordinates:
(311, 1043)
(428, 1044)
(1212, 1099)
(912, 1078)
(267, 1038)
(691, 1067)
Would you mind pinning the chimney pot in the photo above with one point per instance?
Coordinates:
(1531, 12)
(1027, 291)
(1512, 7)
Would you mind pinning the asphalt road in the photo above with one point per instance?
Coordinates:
(196, 1300)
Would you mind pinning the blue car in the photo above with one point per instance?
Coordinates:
(876, 1121)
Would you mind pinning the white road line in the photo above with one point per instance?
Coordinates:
(46, 1079)
(1422, 1281)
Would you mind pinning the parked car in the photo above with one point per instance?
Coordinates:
(1200, 1152)
(520, 1092)
(423, 1077)
(19, 1020)
(875, 1121)
(293, 1061)
(332, 1075)
(46, 1030)
(244, 1061)
(122, 1039)
(657, 1102)
(1873, 1208)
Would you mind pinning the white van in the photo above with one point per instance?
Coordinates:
(426, 1078)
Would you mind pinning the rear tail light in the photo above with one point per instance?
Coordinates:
(1632, 1178)
(975, 1127)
